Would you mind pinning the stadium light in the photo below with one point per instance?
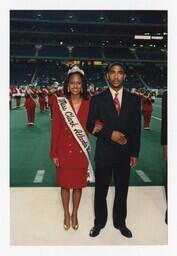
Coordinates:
(70, 16)
(102, 17)
(145, 37)
(142, 37)
(157, 37)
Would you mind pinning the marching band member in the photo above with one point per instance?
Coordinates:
(41, 95)
(17, 95)
(46, 90)
(147, 109)
(60, 91)
(30, 103)
(54, 93)
(69, 143)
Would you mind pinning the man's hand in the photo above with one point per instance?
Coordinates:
(133, 161)
(118, 137)
(56, 161)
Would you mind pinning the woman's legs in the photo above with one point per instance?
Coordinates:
(76, 200)
(65, 196)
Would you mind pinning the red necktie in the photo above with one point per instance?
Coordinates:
(116, 103)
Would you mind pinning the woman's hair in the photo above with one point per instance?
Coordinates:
(84, 94)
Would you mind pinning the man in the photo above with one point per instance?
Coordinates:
(147, 109)
(117, 147)
(164, 140)
(30, 103)
(18, 95)
(52, 96)
(41, 97)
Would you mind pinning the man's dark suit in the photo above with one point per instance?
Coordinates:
(164, 136)
(110, 157)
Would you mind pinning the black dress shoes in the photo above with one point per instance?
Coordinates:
(125, 231)
(94, 231)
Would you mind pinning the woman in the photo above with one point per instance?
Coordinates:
(68, 156)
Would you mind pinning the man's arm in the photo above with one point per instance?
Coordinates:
(105, 133)
(94, 114)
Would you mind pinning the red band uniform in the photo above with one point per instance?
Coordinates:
(18, 94)
(41, 95)
(147, 111)
(54, 93)
(30, 103)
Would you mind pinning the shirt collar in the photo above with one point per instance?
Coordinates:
(114, 92)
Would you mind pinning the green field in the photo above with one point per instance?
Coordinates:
(29, 151)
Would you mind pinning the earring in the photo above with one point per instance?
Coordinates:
(68, 90)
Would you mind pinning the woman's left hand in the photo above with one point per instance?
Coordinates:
(98, 127)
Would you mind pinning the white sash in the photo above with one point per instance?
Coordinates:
(77, 130)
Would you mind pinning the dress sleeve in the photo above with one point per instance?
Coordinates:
(55, 130)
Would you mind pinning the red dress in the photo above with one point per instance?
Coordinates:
(73, 164)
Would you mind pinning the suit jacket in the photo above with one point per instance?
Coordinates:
(128, 122)
(63, 144)
(164, 120)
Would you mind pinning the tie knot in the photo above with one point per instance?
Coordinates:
(116, 94)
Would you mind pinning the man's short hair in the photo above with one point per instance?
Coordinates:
(115, 64)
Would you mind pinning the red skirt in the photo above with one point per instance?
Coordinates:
(71, 178)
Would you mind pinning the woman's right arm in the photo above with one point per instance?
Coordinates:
(55, 133)
(55, 161)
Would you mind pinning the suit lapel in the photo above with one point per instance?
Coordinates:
(125, 104)
(110, 105)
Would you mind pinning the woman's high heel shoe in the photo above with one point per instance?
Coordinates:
(75, 226)
(66, 224)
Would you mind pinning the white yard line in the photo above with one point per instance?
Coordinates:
(143, 176)
(157, 106)
(39, 176)
(157, 118)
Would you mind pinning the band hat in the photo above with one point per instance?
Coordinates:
(55, 84)
(76, 69)
(35, 84)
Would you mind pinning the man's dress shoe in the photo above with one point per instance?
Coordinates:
(125, 231)
(94, 231)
